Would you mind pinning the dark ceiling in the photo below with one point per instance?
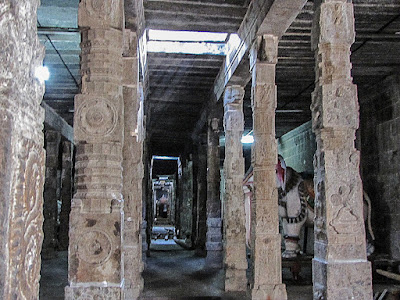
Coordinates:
(180, 85)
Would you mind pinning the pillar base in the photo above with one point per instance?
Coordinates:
(272, 292)
(342, 280)
(214, 259)
(235, 280)
(92, 292)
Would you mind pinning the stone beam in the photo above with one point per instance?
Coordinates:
(262, 17)
(57, 123)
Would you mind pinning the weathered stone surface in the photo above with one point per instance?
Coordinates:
(51, 184)
(214, 222)
(200, 242)
(132, 171)
(380, 119)
(265, 237)
(22, 156)
(341, 269)
(234, 217)
(96, 224)
(186, 208)
(66, 194)
(83, 293)
(95, 247)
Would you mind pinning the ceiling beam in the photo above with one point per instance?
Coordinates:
(55, 121)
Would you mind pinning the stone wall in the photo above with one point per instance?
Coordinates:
(380, 160)
(298, 147)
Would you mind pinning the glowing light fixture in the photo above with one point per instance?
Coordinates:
(42, 73)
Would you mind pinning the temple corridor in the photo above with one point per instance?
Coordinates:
(216, 149)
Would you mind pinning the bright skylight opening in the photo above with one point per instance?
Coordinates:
(186, 36)
(189, 42)
(157, 157)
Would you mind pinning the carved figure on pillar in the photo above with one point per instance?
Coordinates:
(265, 237)
(340, 266)
(234, 216)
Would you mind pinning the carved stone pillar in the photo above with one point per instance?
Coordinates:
(50, 209)
(214, 223)
(22, 157)
(266, 240)
(340, 266)
(234, 218)
(66, 194)
(95, 267)
(132, 171)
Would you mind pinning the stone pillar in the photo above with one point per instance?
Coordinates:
(214, 222)
(266, 240)
(95, 267)
(66, 194)
(340, 266)
(234, 217)
(201, 196)
(51, 184)
(132, 171)
(186, 209)
(22, 167)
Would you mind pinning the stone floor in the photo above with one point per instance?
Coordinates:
(174, 273)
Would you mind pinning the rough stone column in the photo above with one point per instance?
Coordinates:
(214, 222)
(266, 240)
(201, 196)
(50, 209)
(340, 266)
(66, 194)
(95, 267)
(22, 167)
(132, 171)
(234, 218)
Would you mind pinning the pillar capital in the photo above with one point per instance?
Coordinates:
(333, 23)
(101, 14)
(264, 50)
(233, 95)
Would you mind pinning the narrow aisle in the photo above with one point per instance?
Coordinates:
(175, 273)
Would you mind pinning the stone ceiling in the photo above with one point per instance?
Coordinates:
(180, 86)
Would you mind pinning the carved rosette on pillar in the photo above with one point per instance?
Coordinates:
(22, 167)
(266, 240)
(340, 266)
(234, 217)
(95, 268)
(214, 222)
(132, 170)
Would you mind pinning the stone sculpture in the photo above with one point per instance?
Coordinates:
(296, 207)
